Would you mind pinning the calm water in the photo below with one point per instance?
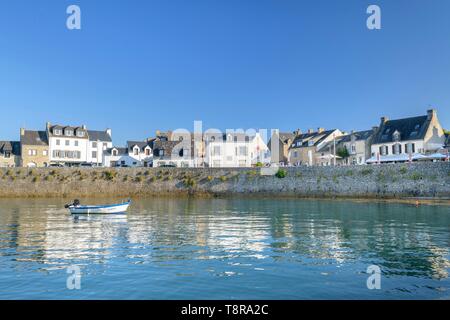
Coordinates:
(225, 249)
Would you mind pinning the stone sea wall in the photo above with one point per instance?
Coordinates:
(379, 181)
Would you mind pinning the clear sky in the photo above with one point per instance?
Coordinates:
(138, 66)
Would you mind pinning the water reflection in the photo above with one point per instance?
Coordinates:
(224, 237)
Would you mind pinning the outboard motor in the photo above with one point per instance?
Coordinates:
(75, 203)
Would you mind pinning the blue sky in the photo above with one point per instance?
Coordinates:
(138, 66)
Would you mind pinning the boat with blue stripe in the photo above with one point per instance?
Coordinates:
(77, 208)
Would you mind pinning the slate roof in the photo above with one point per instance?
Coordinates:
(359, 135)
(95, 135)
(167, 146)
(10, 146)
(34, 138)
(315, 137)
(120, 150)
(140, 144)
(447, 140)
(63, 128)
(413, 128)
(235, 136)
(284, 138)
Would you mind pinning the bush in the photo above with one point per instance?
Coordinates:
(189, 182)
(281, 173)
(366, 171)
(35, 179)
(138, 179)
(403, 170)
(223, 178)
(109, 175)
(48, 178)
(381, 177)
(210, 178)
(259, 164)
(8, 172)
(416, 176)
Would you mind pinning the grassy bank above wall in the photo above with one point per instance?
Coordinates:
(379, 181)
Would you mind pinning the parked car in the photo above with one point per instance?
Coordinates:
(90, 165)
(59, 165)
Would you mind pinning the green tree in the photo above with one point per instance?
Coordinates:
(342, 152)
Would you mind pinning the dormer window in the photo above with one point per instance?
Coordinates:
(136, 151)
(396, 136)
(57, 132)
(80, 133)
(114, 152)
(161, 152)
(69, 132)
(147, 151)
(310, 143)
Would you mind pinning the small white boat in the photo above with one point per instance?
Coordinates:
(77, 208)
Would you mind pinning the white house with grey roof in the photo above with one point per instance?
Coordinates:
(135, 154)
(68, 145)
(75, 145)
(9, 154)
(99, 142)
(407, 139)
(235, 149)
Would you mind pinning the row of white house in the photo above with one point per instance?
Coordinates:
(186, 149)
(408, 139)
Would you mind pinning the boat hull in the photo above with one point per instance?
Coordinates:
(108, 209)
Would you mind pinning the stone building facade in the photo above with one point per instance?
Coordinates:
(34, 148)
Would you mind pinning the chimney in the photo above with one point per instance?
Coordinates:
(320, 130)
(310, 131)
(297, 132)
(384, 119)
(22, 131)
(83, 127)
(431, 114)
(108, 132)
(47, 125)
